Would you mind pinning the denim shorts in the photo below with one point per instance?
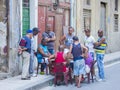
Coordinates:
(79, 67)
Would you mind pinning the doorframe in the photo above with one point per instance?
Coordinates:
(106, 14)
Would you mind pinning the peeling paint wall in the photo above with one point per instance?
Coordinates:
(3, 35)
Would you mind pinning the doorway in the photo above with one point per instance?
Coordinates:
(103, 18)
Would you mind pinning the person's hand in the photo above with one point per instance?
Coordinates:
(64, 63)
(19, 50)
(47, 39)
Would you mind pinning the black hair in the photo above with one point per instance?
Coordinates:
(35, 29)
(75, 38)
(43, 40)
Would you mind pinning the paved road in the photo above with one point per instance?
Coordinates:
(112, 81)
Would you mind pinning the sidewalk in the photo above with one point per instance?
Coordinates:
(15, 83)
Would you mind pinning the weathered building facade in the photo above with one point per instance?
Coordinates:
(3, 36)
(16, 16)
(95, 15)
(56, 13)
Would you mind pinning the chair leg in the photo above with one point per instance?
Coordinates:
(66, 78)
(88, 74)
(55, 80)
(70, 75)
(37, 68)
(47, 69)
(92, 76)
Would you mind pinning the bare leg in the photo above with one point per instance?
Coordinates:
(79, 80)
(76, 80)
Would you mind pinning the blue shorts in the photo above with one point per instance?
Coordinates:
(51, 51)
(79, 67)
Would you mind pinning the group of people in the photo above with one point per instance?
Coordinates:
(71, 51)
(28, 52)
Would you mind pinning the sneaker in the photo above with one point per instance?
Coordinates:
(34, 75)
(104, 80)
(25, 78)
(42, 73)
(94, 77)
(99, 80)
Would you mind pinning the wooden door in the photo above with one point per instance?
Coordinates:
(58, 29)
(41, 21)
(51, 21)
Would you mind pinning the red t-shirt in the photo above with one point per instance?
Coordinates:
(60, 59)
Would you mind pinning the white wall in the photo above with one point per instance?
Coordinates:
(34, 16)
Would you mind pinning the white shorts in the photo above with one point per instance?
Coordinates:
(45, 60)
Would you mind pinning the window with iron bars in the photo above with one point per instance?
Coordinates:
(88, 2)
(116, 23)
(116, 5)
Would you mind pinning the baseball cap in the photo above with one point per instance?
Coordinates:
(29, 31)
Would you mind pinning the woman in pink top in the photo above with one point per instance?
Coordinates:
(60, 57)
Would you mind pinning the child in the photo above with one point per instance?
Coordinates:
(88, 60)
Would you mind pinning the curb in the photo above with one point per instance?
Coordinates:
(36, 85)
(112, 61)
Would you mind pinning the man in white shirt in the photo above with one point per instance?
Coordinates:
(89, 43)
(32, 56)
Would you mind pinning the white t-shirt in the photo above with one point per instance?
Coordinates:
(32, 44)
(89, 42)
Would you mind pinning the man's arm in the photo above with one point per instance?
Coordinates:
(62, 39)
(85, 50)
(51, 57)
(101, 41)
(53, 37)
(41, 52)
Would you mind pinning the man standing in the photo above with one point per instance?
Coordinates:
(31, 67)
(50, 37)
(100, 46)
(89, 43)
(25, 50)
(67, 39)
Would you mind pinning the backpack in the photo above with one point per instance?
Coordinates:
(22, 42)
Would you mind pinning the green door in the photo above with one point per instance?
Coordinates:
(25, 16)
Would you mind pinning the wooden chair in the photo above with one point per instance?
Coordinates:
(69, 74)
(91, 73)
(59, 74)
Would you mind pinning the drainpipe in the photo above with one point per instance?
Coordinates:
(7, 37)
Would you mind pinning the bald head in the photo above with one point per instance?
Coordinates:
(48, 27)
(100, 32)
